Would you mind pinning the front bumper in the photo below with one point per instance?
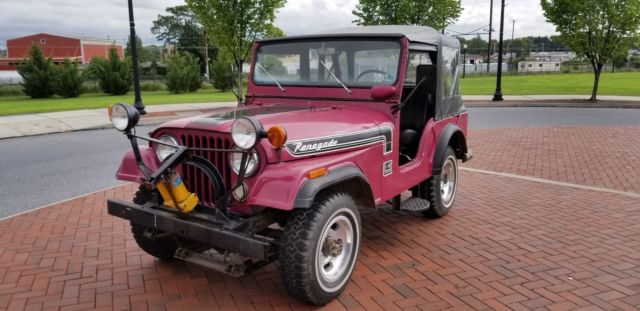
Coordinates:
(208, 232)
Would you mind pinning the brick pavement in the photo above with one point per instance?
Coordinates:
(507, 244)
(607, 157)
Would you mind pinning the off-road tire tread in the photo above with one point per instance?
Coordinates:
(163, 249)
(437, 210)
(296, 245)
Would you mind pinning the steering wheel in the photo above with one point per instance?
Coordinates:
(370, 71)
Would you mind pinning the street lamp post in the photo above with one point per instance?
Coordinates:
(497, 96)
(464, 61)
(134, 55)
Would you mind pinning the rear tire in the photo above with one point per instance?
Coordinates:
(319, 248)
(442, 188)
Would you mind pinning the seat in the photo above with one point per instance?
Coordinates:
(415, 113)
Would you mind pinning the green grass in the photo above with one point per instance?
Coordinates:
(624, 84)
(12, 105)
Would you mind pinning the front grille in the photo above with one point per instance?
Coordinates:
(195, 179)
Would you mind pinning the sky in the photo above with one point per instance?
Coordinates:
(108, 19)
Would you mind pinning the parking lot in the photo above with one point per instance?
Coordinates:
(545, 218)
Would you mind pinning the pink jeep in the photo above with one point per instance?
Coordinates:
(332, 123)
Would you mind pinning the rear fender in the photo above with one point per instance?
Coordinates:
(451, 134)
(129, 171)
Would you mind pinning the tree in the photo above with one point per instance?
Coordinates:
(183, 74)
(114, 75)
(235, 24)
(595, 29)
(37, 75)
(145, 53)
(68, 81)
(220, 72)
(435, 13)
(181, 28)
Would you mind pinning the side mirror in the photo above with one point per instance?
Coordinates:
(382, 92)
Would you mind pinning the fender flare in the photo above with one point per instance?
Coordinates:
(311, 187)
(443, 142)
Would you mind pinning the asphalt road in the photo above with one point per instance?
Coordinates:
(40, 170)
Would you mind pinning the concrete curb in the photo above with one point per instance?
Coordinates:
(554, 103)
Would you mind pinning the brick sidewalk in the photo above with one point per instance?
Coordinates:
(507, 244)
(607, 157)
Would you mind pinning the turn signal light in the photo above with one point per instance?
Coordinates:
(109, 111)
(318, 173)
(277, 136)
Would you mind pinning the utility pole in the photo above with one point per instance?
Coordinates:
(464, 62)
(134, 55)
(490, 31)
(513, 31)
(497, 96)
(206, 54)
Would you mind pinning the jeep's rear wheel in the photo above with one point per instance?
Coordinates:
(442, 188)
(319, 248)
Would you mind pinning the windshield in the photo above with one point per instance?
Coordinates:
(340, 63)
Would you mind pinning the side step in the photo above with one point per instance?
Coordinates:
(415, 205)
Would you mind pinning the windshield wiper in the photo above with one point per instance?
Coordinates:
(271, 76)
(335, 77)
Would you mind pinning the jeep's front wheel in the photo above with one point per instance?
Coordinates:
(442, 187)
(319, 248)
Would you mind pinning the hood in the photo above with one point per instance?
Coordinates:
(310, 130)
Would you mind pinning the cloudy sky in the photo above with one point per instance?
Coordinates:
(108, 18)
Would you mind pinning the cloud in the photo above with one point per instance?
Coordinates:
(109, 18)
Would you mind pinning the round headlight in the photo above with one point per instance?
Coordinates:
(235, 159)
(245, 132)
(163, 151)
(124, 117)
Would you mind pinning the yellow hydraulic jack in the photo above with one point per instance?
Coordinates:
(175, 194)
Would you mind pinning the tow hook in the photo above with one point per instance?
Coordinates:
(332, 247)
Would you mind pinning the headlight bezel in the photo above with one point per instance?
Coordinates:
(173, 141)
(256, 128)
(124, 113)
(252, 168)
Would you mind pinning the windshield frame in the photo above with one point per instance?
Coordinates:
(393, 39)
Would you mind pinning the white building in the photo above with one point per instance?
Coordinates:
(551, 56)
(539, 66)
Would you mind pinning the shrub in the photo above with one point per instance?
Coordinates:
(114, 75)
(10, 90)
(37, 75)
(152, 86)
(183, 73)
(68, 81)
(221, 73)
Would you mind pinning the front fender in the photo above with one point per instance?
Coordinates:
(285, 185)
(129, 171)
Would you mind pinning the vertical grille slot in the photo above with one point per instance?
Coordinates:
(194, 179)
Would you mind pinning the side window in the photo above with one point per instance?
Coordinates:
(450, 83)
(415, 59)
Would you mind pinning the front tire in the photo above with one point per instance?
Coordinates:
(155, 242)
(442, 187)
(319, 248)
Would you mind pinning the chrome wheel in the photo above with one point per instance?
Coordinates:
(448, 181)
(336, 247)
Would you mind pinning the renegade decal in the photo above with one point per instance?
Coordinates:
(329, 143)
